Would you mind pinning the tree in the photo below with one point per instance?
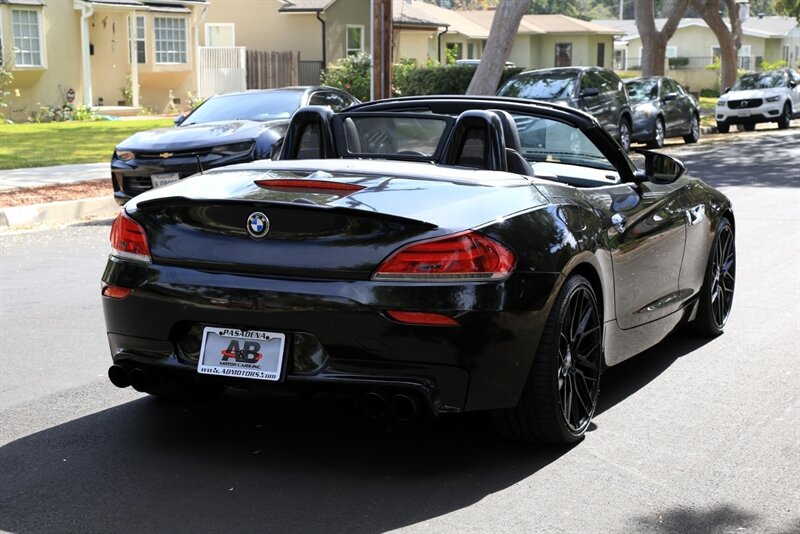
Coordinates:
(790, 8)
(654, 42)
(730, 39)
(498, 47)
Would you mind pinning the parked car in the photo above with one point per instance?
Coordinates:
(596, 90)
(662, 108)
(770, 96)
(421, 255)
(476, 62)
(223, 130)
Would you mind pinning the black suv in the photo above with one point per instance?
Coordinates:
(594, 90)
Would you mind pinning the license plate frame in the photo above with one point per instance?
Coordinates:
(164, 178)
(235, 353)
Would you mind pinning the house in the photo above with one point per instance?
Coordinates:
(327, 30)
(542, 41)
(81, 51)
(694, 46)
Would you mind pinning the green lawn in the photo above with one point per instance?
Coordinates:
(60, 143)
(707, 105)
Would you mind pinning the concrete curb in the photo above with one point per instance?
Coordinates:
(57, 212)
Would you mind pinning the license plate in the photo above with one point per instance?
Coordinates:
(166, 178)
(242, 353)
(744, 113)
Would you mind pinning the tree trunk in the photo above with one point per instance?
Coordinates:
(498, 47)
(654, 43)
(729, 41)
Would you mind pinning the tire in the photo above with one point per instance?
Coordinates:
(749, 126)
(723, 128)
(716, 295)
(786, 117)
(560, 395)
(658, 134)
(694, 131)
(625, 134)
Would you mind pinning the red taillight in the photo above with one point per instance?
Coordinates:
(128, 239)
(422, 318)
(116, 292)
(310, 186)
(467, 256)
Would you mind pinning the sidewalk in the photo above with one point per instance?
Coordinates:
(55, 212)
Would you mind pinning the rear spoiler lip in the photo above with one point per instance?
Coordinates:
(180, 201)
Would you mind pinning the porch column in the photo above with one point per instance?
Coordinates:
(134, 53)
(87, 10)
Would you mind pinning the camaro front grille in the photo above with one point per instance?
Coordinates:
(744, 104)
(175, 154)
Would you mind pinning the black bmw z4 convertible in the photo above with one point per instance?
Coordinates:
(438, 254)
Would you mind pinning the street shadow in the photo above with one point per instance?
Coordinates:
(251, 462)
(721, 518)
(623, 380)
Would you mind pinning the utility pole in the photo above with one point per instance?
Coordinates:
(381, 49)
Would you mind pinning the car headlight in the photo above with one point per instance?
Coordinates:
(125, 155)
(773, 98)
(230, 150)
(721, 102)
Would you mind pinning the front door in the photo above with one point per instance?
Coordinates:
(647, 236)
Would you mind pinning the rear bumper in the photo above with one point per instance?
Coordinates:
(338, 335)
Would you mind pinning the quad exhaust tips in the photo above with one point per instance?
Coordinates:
(136, 378)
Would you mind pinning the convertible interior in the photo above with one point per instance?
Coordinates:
(490, 139)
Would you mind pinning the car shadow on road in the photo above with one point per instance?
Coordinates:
(249, 462)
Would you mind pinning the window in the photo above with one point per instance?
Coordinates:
(601, 54)
(671, 51)
(220, 35)
(785, 54)
(470, 51)
(139, 37)
(563, 55)
(355, 39)
(170, 39)
(27, 45)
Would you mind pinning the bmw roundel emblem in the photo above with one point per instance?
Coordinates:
(257, 225)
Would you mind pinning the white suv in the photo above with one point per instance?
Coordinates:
(772, 96)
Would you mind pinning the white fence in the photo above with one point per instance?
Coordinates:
(221, 70)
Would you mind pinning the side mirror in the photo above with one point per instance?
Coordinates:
(669, 96)
(659, 168)
(179, 120)
(792, 84)
(590, 91)
(726, 90)
(275, 151)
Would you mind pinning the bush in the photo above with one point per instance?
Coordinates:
(678, 62)
(709, 93)
(350, 74)
(67, 112)
(439, 80)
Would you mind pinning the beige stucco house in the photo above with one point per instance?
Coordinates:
(52, 46)
(328, 30)
(694, 46)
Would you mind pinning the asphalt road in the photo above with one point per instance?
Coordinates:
(691, 436)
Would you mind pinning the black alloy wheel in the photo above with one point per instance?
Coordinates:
(658, 134)
(694, 131)
(560, 397)
(716, 296)
(786, 117)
